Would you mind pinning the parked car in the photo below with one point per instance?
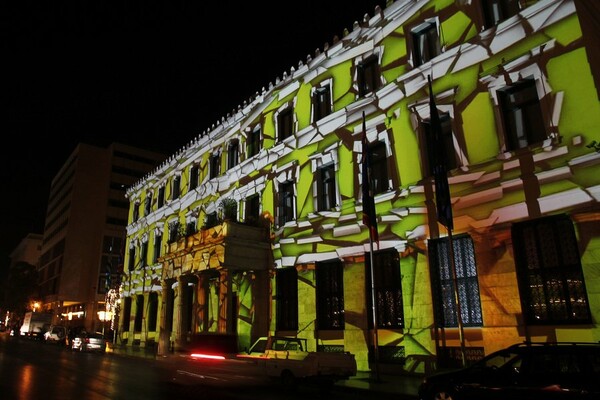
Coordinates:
(85, 341)
(523, 371)
(56, 334)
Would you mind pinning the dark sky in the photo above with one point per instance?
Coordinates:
(146, 73)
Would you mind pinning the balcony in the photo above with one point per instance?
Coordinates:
(231, 245)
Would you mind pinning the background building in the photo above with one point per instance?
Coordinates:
(84, 232)
(504, 123)
(18, 290)
(28, 250)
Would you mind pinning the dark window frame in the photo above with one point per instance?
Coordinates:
(233, 154)
(136, 212)
(157, 245)
(286, 281)
(428, 149)
(215, 166)
(368, 76)
(326, 187)
(152, 311)
(191, 227)
(286, 203)
(442, 283)
(380, 178)
(321, 100)
(161, 197)
(147, 205)
(127, 314)
(549, 272)
(131, 261)
(521, 115)
(253, 141)
(496, 11)
(144, 254)
(194, 176)
(139, 313)
(176, 187)
(252, 208)
(173, 231)
(388, 290)
(285, 124)
(425, 43)
(329, 281)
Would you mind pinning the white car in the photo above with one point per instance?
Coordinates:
(89, 342)
(56, 334)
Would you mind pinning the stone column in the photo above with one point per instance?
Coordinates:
(164, 337)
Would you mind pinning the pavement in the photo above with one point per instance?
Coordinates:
(402, 387)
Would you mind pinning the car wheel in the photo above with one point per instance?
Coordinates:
(443, 393)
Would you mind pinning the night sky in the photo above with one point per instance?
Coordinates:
(147, 73)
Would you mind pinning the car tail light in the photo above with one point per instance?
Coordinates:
(207, 356)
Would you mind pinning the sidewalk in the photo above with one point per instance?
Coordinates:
(405, 386)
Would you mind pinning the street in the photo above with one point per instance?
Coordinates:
(33, 370)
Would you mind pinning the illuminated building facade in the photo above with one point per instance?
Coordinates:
(255, 227)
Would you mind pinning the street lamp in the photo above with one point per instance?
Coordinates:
(104, 316)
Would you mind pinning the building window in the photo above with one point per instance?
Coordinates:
(212, 219)
(139, 313)
(190, 227)
(379, 167)
(253, 142)
(252, 208)
(144, 254)
(326, 188)
(157, 245)
(286, 203)
(496, 11)
(429, 148)
(368, 76)
(426, 43)
(176, 187)
(152, 311)
(161, 197)
(285, 124)
(551, 282)
(330, 294)
(287, 299)
(136, 211)
(126, 314)
(321, 100)
(521, 115)
(215, 166)
(388, 290)
(194, 174)
(147, 204)
(466, 279)
(131, 264)
(233, 154)
(173, 231)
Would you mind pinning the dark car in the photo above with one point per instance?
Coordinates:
(85, 341)
(523, 371)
